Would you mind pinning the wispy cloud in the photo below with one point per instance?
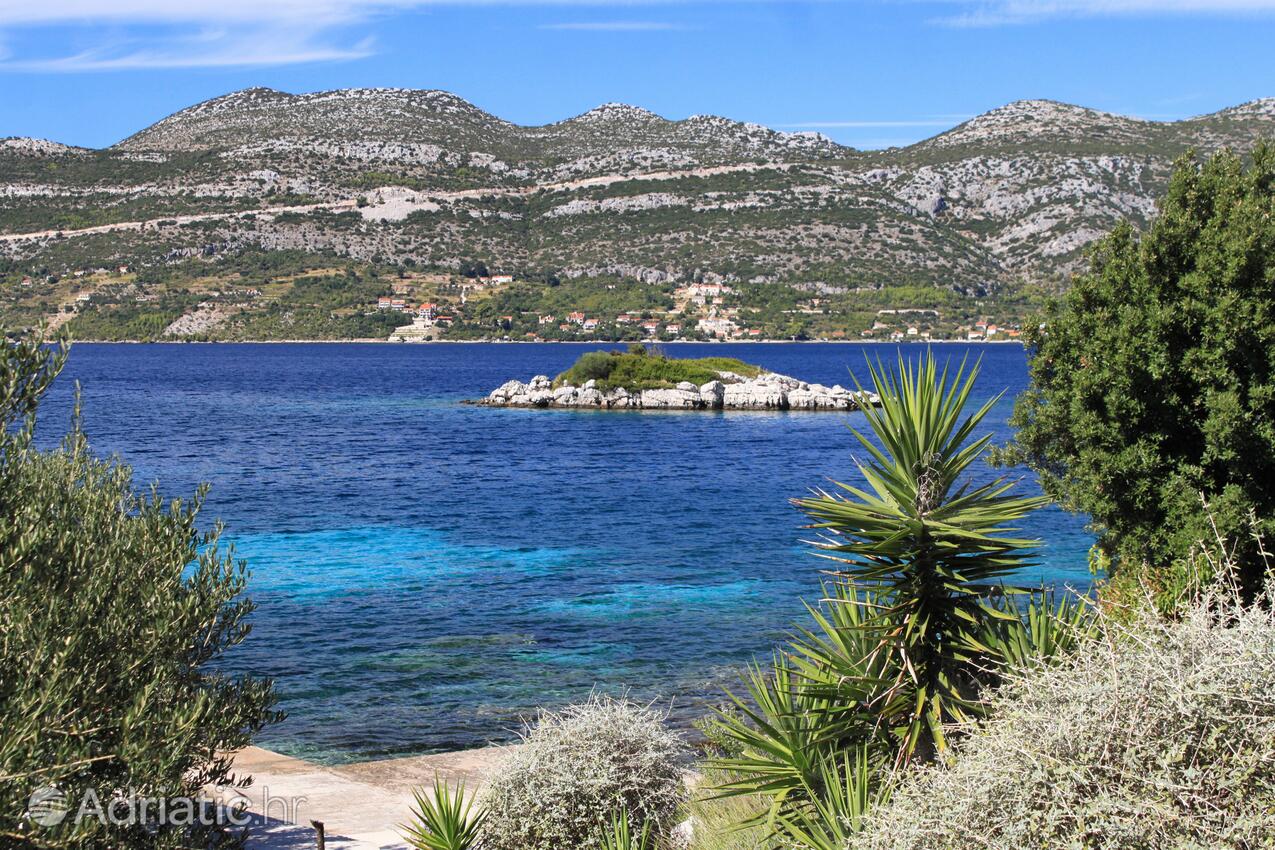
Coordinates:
(130, 34)
(138, 34)
(224, 33)
(989, 13)
(614, 26)
(226, 50)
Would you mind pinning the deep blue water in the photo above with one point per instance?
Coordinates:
(428, 573)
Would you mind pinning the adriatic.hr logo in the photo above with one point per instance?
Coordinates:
(47, 806)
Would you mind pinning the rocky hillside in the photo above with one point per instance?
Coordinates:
(426, 179)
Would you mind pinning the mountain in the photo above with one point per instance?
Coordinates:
(1008, 199)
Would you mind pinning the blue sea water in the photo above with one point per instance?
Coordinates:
(429, 573)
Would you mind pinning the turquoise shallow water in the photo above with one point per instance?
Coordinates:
(429, 573)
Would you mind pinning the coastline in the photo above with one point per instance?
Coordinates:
(379, 341)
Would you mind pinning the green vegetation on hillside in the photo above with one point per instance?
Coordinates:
(638, 370)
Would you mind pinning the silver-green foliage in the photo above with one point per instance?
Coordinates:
(1154, 734)
(576, 768)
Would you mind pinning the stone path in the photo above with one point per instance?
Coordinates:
(360, 805)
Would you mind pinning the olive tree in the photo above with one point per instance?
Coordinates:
(114, 612)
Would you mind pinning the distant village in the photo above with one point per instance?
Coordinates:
(702, 312)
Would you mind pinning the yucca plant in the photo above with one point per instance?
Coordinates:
(445, 819)
(929, 545)
(1050, 625)
(620, 836)
(801, 712)
(849, 786)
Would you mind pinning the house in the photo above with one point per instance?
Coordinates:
(716, 326)
(564, 327)
(427, 311)
(500, 278)
(754, 332)
(398, 304)
(26, 281)
(545, 320)
(701, 293)
(576, 318)
(624, 319)
(84, 298)
(123, 269)
(651, 327)
(443, 320)
(590, 324)
(673, 328)
(912, 331)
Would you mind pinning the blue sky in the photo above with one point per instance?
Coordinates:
(870, 73)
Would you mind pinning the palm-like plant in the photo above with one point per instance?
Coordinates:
(621, 836)
(1048, 626)
(849, 786)
(801, 714)
(928, 544)
(444, 820)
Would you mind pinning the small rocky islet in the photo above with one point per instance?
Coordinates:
(729, 391)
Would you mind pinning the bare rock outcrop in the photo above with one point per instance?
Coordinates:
(767, 391)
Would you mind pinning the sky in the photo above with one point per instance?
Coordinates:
(868, 73)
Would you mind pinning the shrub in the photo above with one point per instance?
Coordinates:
(114, 610)
(1153, 379)
(1155, 734)
(650, 370)
(592, 366)
(576, 769)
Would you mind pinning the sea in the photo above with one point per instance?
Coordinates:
(430, 574)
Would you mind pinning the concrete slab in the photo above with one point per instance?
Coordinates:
(360, 805)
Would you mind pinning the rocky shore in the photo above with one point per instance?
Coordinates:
(768, 391)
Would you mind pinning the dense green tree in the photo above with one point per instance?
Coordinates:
(1152, 397)
(114, 611)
